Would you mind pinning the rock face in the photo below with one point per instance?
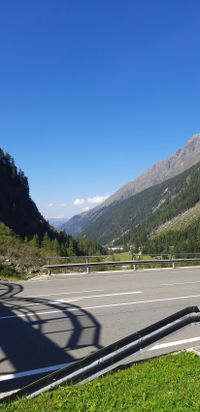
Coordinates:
(158, 173)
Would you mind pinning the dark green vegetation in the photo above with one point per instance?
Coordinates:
(26, 238)
(20, 256)
(17, 210)
(164, 384)
(186, 240)
(135, 220)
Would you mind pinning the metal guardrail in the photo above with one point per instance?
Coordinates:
(100, 362)
(133, 263)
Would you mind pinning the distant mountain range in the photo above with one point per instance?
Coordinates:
(133, 203)
(57, 222)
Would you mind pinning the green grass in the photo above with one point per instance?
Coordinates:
(164, 384)
(117, 256)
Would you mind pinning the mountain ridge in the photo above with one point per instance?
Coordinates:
(134, 219)
(183, 159)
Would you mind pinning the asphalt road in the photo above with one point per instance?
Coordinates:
(52, 322)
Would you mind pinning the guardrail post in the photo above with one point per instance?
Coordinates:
(86, 264)
(87, 268)
(49, 270)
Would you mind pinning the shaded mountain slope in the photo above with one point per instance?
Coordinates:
(17, 210)
(158, 173)
(134, 219)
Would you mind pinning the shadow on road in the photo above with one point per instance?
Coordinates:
(39, 333)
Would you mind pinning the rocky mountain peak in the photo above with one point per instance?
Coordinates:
(194, 143)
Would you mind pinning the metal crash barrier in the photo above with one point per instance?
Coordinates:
(105, 359)
(133, 263)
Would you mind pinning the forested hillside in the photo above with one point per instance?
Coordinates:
(136, 219)
(175, 226)
(186, 239)
(22, 227)
(17, 210)
(19, 255)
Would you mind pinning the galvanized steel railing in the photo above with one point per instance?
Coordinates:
(134, 263)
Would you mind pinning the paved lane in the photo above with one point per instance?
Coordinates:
(48, 323)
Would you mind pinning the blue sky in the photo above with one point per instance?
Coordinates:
(94, 92)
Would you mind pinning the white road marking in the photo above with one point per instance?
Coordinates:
(47, 369)
(179, 283)
(174, 343)
(75, 299)
(139, 302)
(32, 372)
(63, 293)
(52, 294)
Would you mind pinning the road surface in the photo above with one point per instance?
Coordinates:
(46, 324)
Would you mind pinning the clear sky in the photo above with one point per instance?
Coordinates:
(94, 92)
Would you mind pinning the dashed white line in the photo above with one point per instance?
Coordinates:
(75, 299)
(63, 293)
(179, 283)
(139, 302)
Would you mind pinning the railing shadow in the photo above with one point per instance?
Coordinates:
(37, 333)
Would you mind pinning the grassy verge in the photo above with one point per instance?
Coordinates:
(165, 384)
